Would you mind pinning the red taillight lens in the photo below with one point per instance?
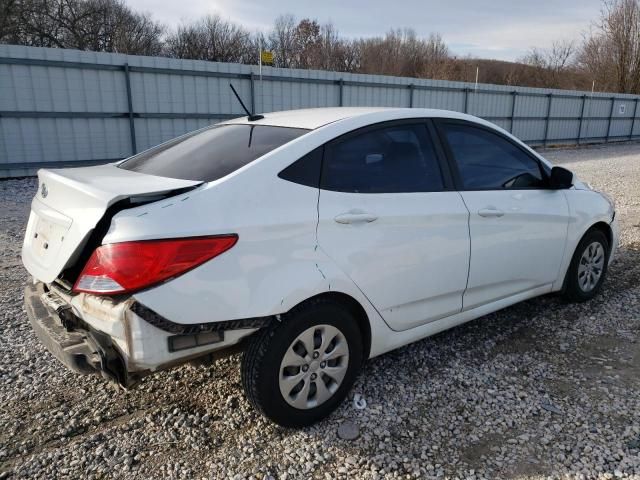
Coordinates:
(128, 266)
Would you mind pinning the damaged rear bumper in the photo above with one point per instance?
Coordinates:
(122, 339)
(74, 343)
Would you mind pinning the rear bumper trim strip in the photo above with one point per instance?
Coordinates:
(163, 323)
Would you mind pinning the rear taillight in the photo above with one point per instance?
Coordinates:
(128, 266)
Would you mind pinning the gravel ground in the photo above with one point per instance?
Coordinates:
(539, 390)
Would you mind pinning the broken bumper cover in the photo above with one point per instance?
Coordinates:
(122, 339)
(81, 349)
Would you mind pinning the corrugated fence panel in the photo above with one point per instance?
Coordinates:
(597, 129)
(446, 100)
(530, 131)
(598, 107)
(562, 129)
(68, 107)
(153, 131)
(528, 106)
(50, 140)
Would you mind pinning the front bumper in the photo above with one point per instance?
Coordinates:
(74, 343)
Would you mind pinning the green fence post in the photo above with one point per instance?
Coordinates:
(584, 100)
(132, 124)
(633, 122)
(613, 102)
(514, 96)
(546, 122)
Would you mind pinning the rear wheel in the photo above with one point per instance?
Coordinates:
(588, 267)
(299, 370)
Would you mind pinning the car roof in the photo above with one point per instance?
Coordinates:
(343, 119)
(312, 118)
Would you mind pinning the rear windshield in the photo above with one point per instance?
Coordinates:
(211, 154)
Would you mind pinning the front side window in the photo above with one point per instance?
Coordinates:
(391, 159)
(210, 154)
(485, 160)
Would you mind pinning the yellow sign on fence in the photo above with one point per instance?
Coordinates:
(266, 56)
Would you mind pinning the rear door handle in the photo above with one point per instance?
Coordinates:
(355, 217)
(490, 212)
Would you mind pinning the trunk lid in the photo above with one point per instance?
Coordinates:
(69, 204)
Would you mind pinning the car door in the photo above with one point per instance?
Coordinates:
(518, 226)
(391, 223)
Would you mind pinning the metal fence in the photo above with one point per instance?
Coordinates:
(66, 107)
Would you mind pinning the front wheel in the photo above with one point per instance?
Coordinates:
(588, 267)
(297, 371)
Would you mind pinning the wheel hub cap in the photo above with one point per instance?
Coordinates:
(314, 366)
(591, 266)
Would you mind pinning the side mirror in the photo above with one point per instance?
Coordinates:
(560, 178)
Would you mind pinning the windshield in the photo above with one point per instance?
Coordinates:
(210, 154)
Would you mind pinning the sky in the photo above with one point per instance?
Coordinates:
(499, 29)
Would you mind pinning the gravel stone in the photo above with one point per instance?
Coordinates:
(348, 430)
(551, 408)
(463, 404)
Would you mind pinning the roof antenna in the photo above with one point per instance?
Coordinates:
(251, 116)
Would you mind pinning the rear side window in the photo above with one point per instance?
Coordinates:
(213, 153)
(393, 159)
(305, 171)
(485, 160)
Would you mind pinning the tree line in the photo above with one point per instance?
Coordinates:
(608, 54)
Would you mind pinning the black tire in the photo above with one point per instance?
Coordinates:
(267, 347)
(573, 292)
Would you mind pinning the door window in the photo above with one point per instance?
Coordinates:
(393, 159)
(487, 161)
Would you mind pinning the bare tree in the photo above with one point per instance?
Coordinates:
(549, 66)
(211, 38)
(596, 60)
(613, 46)
(310, 45)
(561, 55)
(9, 26)
(100, 25)
(620, 26)
(134, 33)
(401, 52)
(282, 41)
(307, 45)
(350, 55)
(332, 51)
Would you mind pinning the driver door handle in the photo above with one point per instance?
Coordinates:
(355, 217)
(490, 212)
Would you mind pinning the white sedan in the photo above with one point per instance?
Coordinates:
(312, 239)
